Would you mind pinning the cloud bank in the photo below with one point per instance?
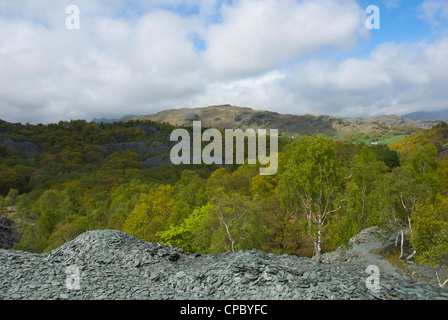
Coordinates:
(142, 57)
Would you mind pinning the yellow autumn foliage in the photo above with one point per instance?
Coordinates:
(150, 215)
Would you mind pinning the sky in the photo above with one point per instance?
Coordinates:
(289, 56)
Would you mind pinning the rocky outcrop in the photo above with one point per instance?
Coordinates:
(26, 146)
(155, 162)
(151, 151)
(373, 247)
(8, 232)
(143, 147)
(110, 264)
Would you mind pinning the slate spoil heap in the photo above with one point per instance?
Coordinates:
(114, 265)
(8, 232)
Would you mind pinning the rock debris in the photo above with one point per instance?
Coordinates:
(110, 264)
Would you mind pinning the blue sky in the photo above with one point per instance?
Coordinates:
(401, 23)
(400, 20)
(288, 56)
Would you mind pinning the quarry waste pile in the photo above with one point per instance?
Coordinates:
(110, 264)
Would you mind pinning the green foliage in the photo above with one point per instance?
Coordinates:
(401, 193)
(187, 235)
(8, 177)
(150, 215)
(383, 153)
(122, 160)
(228, 222)
(310, 185)
(324, 192)
(11, 198)
(430, 233)
(53, 207)
(425, 167)
(123, 199)
(190, 193)
(358, 204)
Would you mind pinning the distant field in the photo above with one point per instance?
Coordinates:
(393, 139)
(384, 139)
(290, 134)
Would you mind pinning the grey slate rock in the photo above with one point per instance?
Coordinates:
(114, 265)
(25, 146)
(155, 162)
(140, 147)
(8, 233)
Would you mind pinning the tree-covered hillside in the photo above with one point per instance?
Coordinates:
(59, 180)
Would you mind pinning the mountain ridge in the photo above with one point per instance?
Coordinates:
(233, 117)
(427, 115)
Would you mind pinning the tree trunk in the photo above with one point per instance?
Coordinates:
(441, 285)
(411, 255)
(318, 246)
(402, 244)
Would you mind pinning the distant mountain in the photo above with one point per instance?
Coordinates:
(423, 115)
(390, 121)
(232, 117)
(107, 120)
(104, 120)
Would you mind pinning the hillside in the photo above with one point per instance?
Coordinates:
(437, 135)
(61, 180)
(232, 117)
(382, 129)
(422, 115)
(391, 121)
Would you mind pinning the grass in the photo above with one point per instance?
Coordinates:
(384, 139)
(289, 134)
(392, 257)
(393, 138)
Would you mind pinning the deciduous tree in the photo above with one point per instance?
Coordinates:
(310, 185)
(430, 235)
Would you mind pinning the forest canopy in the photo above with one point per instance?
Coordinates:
(60, 180)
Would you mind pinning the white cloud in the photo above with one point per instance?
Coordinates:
(394, 79)
(256, 36)
(109, 66)
(135, 57)
(434, 11)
